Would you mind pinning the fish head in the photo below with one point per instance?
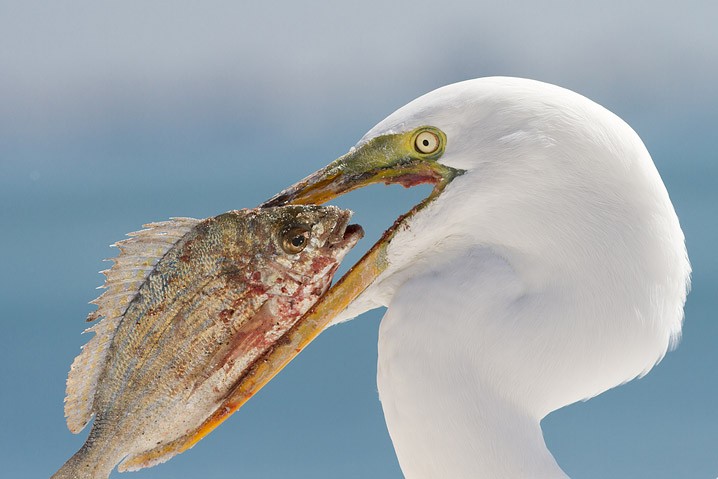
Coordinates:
(308, 243)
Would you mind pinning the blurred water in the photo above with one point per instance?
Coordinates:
(113, 114)
(63, 205)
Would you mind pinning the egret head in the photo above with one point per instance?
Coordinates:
(551, 181)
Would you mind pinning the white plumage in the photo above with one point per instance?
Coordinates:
(552, 270)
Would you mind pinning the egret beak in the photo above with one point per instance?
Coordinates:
(405, 158)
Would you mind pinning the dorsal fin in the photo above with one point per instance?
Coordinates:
(138, 256)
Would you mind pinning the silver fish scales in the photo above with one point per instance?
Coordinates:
(189, 306)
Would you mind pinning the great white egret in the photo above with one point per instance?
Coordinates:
(547, 266)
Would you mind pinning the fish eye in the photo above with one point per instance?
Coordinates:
(426, 142)
(294, 239)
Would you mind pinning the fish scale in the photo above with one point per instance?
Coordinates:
(189, 306)
(178, 276)
(203, 335)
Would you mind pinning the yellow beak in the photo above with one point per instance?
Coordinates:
(392, 158)
(406, 158)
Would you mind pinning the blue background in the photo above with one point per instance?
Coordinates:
(117, 114)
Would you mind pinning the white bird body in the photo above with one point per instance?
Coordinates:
(552, 270)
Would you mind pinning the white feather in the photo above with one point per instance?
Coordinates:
(551, 271)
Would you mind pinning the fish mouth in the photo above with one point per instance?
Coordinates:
(352, 234)
(345, 238)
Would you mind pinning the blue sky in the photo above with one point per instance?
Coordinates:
(112, 115)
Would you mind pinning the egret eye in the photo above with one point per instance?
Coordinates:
(294, 239)
(426, 142)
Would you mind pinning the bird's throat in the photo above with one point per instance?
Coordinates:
(443, 425)
(447, 407)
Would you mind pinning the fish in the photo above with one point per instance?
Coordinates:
(189, 306)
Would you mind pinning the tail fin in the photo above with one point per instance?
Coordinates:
(87, 464)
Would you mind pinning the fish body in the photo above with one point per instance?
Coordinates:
(189, 306)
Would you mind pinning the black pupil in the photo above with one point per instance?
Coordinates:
(425, 142)
(298, 241)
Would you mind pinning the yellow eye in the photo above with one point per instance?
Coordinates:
(295, 239)
(426, 142)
